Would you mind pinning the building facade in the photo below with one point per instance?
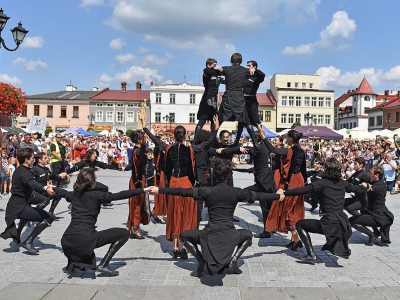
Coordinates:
(299, 99)
(118, 109)
(391, 113)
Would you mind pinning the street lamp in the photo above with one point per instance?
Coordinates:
(307, 117)
(18, 32)
(91, 119)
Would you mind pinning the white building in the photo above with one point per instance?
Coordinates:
(174, 104)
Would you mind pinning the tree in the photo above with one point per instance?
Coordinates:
(128, 132)
(295, 124)
(12, 99)
(47, 131)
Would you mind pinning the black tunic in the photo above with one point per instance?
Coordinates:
(211, 84)
(357, 178)
(314, 177)
(335, 225)
(219, 237)
(91, 164)
(252, 82)
(43, 174)
(23, 184)
(79, 239)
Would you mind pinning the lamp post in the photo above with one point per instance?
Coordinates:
(91, 119)
(18, 32)
(390, 121)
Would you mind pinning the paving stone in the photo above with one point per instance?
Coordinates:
(357, 293)
(63, 291)
(305, 293)
(120, 292)
(169, 293)
(25, 290)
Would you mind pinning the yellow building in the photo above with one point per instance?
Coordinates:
(299, 99)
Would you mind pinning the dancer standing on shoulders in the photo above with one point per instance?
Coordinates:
(283, 216)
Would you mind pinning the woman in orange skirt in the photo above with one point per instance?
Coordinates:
(283, 216)
(180, 173)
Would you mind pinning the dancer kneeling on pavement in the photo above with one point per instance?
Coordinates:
(333, 223)
(81, 238)
(377, 214)
(23, 184)
(220, 237)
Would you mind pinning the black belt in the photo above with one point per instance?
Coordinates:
(248, 95)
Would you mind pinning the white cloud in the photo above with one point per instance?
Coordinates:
(31, 65)
(193, 25)
(155, 60)
(10, 80)
(134, 74)
(393, 74)
(33, 42)
(86, 3)
(117, 44)
(142, 50)
(124, 58)
(299, 50)
(333, 37)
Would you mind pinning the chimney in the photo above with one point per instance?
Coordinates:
(348, 91)
(69, 88)
(95, 89)
(386, 92)
(152, 83)
(123, 87)
(138, 86)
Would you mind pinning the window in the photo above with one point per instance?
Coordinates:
(397, 116)
(355, 125)
(110, 104)
(327, 102)
(110, 116)
(130, 105)
(314, 119)
(291, 101)
(291, 117)
(388, 116)
(49, 111)
(158, 97)
(288, 84)
(158, 117)
(303, 85)
(120, 105)
(130, 116)
(306, 101)
(99, 116)
(371, 121)
(311, 85)
(355, 110)
(75, 112)
(24, 111)
(171, 117)
(36, 110)
(351, 125)
(283, 118)
(63, 112)
(320, 119)
(321, 101)
(296, 85)
(99, 104)
(314, 101)
(192, 118)
(261, 115)
(379, 121)
(284, 99)
(298, 101)
(172, 98)
(120, 116)
(268, 116)
(192, 98)
(298, 118)
(327, 119)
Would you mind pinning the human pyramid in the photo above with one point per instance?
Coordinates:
(189, 176)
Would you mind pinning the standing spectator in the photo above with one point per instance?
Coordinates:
(4, 171)
(368, 156)
(36, 139)
(57, 150)
(11, 169)
(389, 170)
(27, 143)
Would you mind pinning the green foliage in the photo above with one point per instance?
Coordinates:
(47, 131)
(295, 124)
(128, 132)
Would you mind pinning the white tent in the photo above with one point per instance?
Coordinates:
(359, 133)
(283, 132)
(386, 133)
(105, 132)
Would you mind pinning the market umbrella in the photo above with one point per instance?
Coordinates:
(268, 133)
(82, 132)
(69, 131)
(93, 133)
(318, 132)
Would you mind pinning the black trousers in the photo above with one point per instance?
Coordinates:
(39, 198)
(352, 204)
(252, 110)
(309, 225)
(193, 236)
(58, 168)
(35, 214)
(365, 220)
(110, 236)
(265, 205)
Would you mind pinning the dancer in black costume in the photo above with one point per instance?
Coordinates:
(377, 214)
(23, 184)
(81, 238)
(314, 176)
(333, 223)
(220, 237)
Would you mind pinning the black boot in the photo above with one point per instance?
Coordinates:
(365, 230)
(103, 266)
(305, 238)
(28, 244)
(253, 137)
(21, 226)
(239, 252)
(197, 255)
(238, 134)
(53, 206)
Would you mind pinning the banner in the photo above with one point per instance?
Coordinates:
(37, 124)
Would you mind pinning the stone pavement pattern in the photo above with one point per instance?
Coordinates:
(147, 270)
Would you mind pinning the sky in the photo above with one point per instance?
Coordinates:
(100, 43)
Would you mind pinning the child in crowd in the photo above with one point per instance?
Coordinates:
(11, 168)
(4, 172)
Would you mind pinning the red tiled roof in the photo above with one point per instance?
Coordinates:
(266, 99)
(129, 95)
(344, 97)
(395, 102)
(365, 88)
(384, 105)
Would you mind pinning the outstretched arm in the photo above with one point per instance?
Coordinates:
(308, 189)
(157, 142)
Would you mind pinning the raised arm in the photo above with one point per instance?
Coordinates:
(260, 75)
(157, 142)
(271, 148)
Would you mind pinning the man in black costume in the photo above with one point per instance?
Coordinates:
(233, 106)
(315, 175)
(219, 238)
(209, 101)
(250, 88)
